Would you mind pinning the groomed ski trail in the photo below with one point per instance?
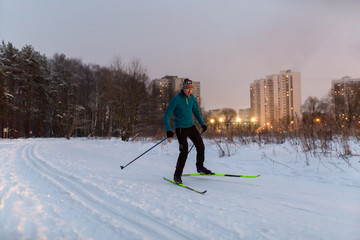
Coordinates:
(88, 202)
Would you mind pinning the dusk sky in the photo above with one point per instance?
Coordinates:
(224, 44)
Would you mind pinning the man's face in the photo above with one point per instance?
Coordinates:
(188, 91)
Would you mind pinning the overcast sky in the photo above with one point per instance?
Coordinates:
(224, 44)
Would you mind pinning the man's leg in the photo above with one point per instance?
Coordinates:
(200, 149)
(181, 134)
(195, 137)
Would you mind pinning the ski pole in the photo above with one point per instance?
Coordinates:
(122, 167)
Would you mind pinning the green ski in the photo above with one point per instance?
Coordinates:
(184, 186)
(220, 175)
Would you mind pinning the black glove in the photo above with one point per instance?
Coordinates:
(169, 134)
(204, 127)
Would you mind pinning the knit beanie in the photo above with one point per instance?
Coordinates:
(187, 84)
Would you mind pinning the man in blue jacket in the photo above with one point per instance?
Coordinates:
(184, 106)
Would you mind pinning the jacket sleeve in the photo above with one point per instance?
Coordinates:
(197, 113)
(168, 112)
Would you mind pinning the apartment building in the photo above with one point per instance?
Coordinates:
(346, 92)
(244, 115)
(275, 100)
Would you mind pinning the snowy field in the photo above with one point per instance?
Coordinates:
(75, 189)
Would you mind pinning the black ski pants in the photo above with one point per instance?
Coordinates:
(182, 135)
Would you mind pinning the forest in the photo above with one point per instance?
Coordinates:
(64, 97)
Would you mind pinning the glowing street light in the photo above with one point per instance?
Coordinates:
(221, 120)
(212, 120)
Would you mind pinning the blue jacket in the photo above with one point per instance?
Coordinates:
(183, 108)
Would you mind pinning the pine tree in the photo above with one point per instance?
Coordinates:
(34, 91)
(12, 72)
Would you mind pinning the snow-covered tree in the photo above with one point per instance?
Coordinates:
(34, 89)
(11, 74)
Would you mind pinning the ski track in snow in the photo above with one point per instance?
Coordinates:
(98, 204)
(57, 189)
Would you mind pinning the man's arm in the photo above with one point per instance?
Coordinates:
(168, 112)
(197, 113)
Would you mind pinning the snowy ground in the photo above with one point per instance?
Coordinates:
(61, 189)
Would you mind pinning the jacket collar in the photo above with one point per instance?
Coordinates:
(182, 94)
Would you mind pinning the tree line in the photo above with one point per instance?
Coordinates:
(63, 97)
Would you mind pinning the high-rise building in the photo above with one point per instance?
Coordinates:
(169, 86)
(255, 108)
(276, 99)
(346, 92)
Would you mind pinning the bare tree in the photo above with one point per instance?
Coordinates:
(229, 116)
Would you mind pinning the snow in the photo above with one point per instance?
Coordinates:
(75, 189)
